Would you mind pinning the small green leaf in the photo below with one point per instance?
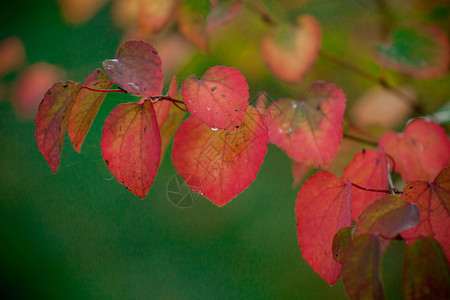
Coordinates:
(340, 243)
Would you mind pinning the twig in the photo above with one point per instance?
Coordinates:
(103, 91)
(359, 139)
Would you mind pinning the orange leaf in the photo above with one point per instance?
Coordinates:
(221, 163)
(322, 209)
(309, 131)
(191, 19)
(433, 200)
(292, 50)
(368, 169)
(420, 152)
(131, 145)
(52, 118)
(219, 98)
(136, 69)
(86, 107)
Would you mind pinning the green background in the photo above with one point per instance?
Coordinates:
(79, 234)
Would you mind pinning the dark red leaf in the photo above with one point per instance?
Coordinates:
(136, 69)
(309, 131)
(433, 200)
(222, 163)
(425, 271)
(368, 169)
(322, 209)
(388, 217)
(361, 268)
(131, 145)
(52, 118)
(291, 50)
(86, 107)
(420, 152)
(219, 99)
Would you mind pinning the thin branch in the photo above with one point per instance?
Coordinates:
(394, 190)
(103, 91)
(359, 139)
(164, 97)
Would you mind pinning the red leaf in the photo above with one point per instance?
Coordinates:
(292, 49)
(309, 131)
(322, 209)
(299, 172)
(162, 108)
(219, 99)
(52, 118)
(131, 145)
(368, 169)
(422, 51)
(425, 271)
(388, 217)
(136, 69)
(12, 55)
(223, 162)
(433, 200)
(220, 14)
(420, 152)
(261, 103)
(86, 107)
(361, 268)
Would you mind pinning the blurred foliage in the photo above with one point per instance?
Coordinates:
(80, 234)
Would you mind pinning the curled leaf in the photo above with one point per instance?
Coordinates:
(223, 162)
(322, 208)
(52, 118)
(219, 98)
(131, 145)
(368, 169)
(291, 50)
(136, 69)
(425, 271)
(421, 51)
(309, 131)
(86, 107)
(420, 152)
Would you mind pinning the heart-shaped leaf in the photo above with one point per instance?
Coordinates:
(136, 69)
(223, 162)
(219, 99)
(322, 209)
(86, 107)
(131, 145)
(52, 118)
(309, 131)
(291, 50)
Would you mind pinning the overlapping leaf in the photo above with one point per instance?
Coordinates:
(341, 241)
(322, 209)
(309, 131)
(420, 152)
(219, 98)
(368, 169)
(388, 217)
(52, 118)
(131, 145)
(361, 268)
(433, 200)
(291, 50)
(136, 69)
(86, 107)
(425, 271)
(422, 51)
(223, 162)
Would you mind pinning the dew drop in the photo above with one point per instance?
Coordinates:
(294, 105)
(208, 108)
(214, 129)
(133, 85)
(290, 129)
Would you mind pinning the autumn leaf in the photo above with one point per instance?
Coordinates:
(86, 107)
(52, 118)
(131, 145)
(223, 162)
(136, 69)
(420, 152)
(299, 172)
(219, 98)
(191, 19)
(80, 11)
(220, 14)
(322, 209)
(292, 49)
(425, 271)
(341, 241)
(361, 268)
(12, 55)
(309, 131)
(388, 217)
(262, 102)
(433, 200)
(422, 51)
(368, 169)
